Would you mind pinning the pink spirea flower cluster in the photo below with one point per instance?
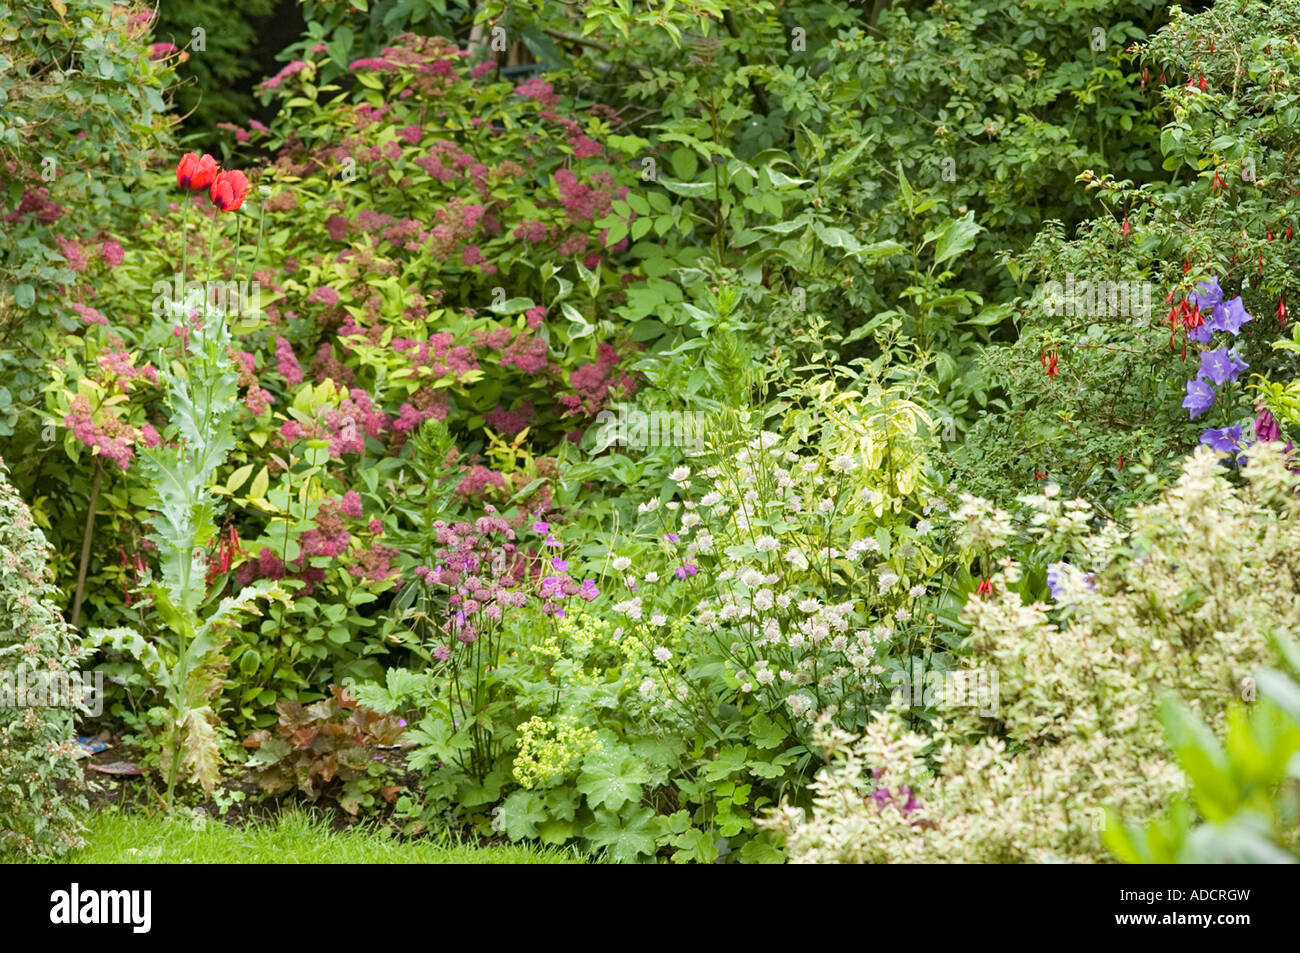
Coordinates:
(355, 416)
(112, 437)
(289, 69)
(119, 363)
(586, 202)
(592, 382)
(287, 362)
(89, 315)
(539, 89)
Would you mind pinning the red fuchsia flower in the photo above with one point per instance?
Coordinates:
(984, 588)
(1281, 309)
(195, 173)
(1050, 365)
(229, 189)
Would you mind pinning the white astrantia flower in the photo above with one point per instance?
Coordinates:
(652, 576)
(712, 473)
(808, 466)
(916, 591)
(751, 577)
(825, 506)
(659, 619)
(726, 574)
(772, 631)
(647, 687)
(621, 563)
(690, 521)
(887, 579)
(786, 675)
(712, 498)
(783, 601)
(799, 704)
(796, 559)
(662, 654)
(839, 643)
(672, 505)
(796, 639)
(923, 527)
(843, 463)
(766, 544)
(681, 474)
(764, 676)
(868, 495)
(809, 605)
(902, 615)
(763, 600)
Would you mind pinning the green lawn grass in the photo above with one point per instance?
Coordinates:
(120, 837)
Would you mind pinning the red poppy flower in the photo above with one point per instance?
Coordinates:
(229, 189)
(195, 173)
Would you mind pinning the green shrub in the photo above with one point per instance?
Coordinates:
(41, 799)
(1187, 597)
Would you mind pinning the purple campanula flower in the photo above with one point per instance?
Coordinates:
(1201, 335)
(1229, 316)
(1199, 399)
(1223, 439)
(1208, 294)
(1221, 365)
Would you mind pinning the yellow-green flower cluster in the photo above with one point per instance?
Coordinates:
(548, 750)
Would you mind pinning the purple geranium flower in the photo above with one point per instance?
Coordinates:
(561, 565)
(1199, 399)
(1229, 316)
(1221, 365)
(1207, 294)
(1223, 439)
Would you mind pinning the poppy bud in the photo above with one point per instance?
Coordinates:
(229, 189)
(195, 173)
